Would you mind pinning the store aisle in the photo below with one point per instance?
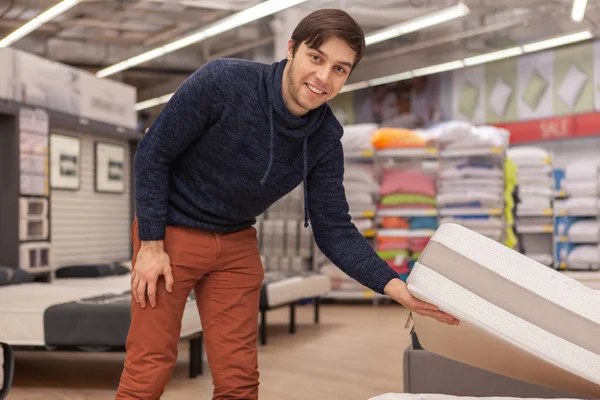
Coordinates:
(355, 353)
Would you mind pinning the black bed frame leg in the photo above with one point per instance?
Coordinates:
(263, 327)
(317, 301)
(293, 318)
(196, 356)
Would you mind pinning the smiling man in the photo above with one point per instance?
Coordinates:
(236, 137)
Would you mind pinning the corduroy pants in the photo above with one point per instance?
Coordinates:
(226, 273)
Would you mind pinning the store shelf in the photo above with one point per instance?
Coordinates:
(417, 233)
(407, 212)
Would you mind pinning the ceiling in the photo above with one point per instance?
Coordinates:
(98, 33)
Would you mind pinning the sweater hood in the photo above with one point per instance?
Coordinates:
(282, 121)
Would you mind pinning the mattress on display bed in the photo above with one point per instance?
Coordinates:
(282, 287)
(430, 396)
(74, 312)
(519, 318)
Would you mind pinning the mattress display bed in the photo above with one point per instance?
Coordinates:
(519, 318)
(282, 288)
(6, 369)
(81, 314)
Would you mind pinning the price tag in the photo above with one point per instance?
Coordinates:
(367, 153)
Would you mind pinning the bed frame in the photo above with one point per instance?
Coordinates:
(292, 325)
(8, 370)
(195, 361)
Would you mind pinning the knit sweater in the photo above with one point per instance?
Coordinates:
(225, 148)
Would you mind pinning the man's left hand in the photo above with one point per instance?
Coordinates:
(398, 291)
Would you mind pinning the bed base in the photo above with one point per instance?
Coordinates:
(292, 306)
(8, 370)
(196, 343)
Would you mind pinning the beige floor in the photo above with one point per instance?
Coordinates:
(355, 353)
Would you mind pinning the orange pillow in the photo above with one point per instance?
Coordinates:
(387, 138)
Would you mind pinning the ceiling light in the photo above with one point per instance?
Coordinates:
(38, 21)
(494, 56)
(557, 41)
(448, 66)
(435, 18)
(578, 10)
(238, 19)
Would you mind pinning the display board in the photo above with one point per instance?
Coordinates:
(29, 79)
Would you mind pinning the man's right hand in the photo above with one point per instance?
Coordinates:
(151, 262)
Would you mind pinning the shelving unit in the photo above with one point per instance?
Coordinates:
(577, 217)
(35, 250)
(534, 220)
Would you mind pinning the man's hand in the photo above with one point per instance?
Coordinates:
(151, 262)
(398, 291)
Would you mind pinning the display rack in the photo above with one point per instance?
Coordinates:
(411, 183)
(285, 244)
(35, 250)
(534, 217)
(577, 217)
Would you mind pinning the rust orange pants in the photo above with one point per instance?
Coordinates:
(226, 273)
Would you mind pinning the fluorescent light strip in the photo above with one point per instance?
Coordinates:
(38, 21)
(244, 17)
(578, 10)
(494, 56)
(557, 41)
(448, 66)
(435, 18)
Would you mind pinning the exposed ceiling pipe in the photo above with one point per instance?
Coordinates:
(241, 48)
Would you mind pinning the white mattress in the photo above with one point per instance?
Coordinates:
(429, 396)
(22, 306)
(296, 288)
(518, 317)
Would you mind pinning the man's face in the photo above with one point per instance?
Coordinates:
(315, 76)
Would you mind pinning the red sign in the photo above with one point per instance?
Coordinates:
(567, 127)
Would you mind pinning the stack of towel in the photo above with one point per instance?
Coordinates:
(534, 176)
(358, 138)
(409, 193)
(578, 227)
(361, 192)
(534, 220)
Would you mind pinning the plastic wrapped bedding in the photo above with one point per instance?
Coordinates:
(519, 318)
(582, 171)
(358, 137)
(584, 231)
(584, 257)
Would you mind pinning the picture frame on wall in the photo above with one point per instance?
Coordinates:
(65, 162)
(109, 167)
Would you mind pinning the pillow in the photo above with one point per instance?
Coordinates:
(387, 138)
(14, 276)
(469, 97)
(536, 87)
(572, 85)
(403, 181)
(498, 100)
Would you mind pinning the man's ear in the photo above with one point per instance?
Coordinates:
(290, 49)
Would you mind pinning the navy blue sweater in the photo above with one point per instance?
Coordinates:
(225, 148)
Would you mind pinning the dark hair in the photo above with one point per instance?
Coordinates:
(319, 25)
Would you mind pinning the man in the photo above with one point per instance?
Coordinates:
(237, 136)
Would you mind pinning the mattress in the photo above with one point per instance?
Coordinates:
(283, 287)
(83, 312)
(518, 317)
(428, 396)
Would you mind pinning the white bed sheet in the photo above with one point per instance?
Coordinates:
(432, 396)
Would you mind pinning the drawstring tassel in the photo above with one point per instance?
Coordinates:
(305, 184)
